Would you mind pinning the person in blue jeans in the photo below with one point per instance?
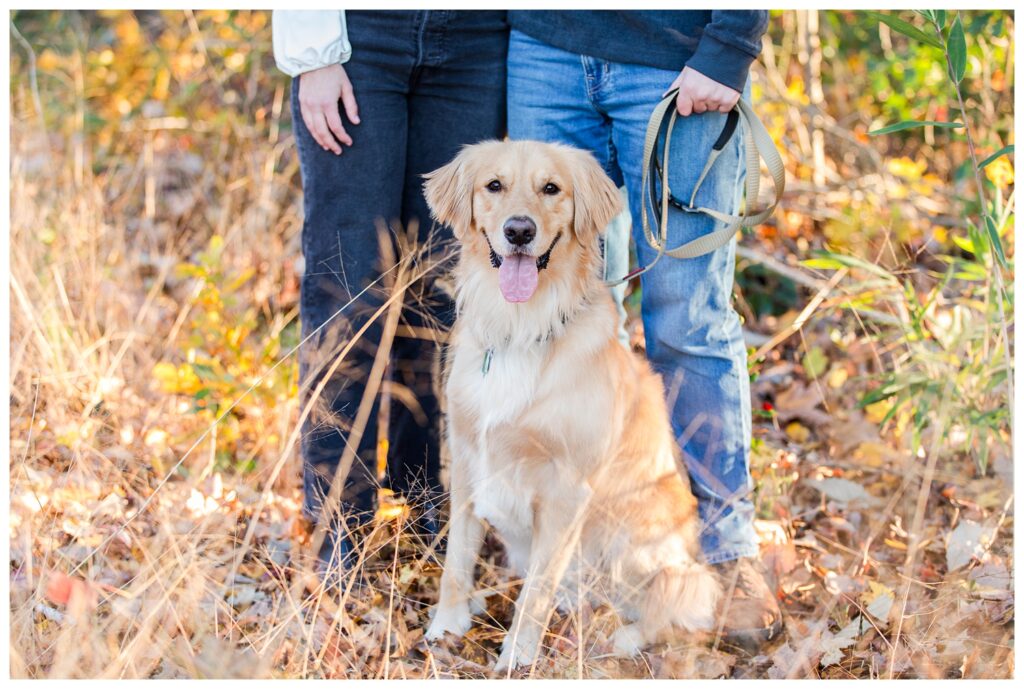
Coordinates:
(378, 99)
(591, 79)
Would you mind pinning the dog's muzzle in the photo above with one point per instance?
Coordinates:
(542, 260)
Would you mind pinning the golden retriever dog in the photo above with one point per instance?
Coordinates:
(559, 437)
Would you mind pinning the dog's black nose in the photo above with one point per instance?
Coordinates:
(520, 230)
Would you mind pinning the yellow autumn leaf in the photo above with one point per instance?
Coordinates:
(872, 454)
(235, 62)
(898, 191)
(875, 589)
(906, 168)
(390, 512)
(47, 61)
(161, 89)
(837, 376)
(229, 430)
(798, 432)
(1000, 172)
(893, 543)
(878, 600)
(188, 381)
(235, 336)
(877, 411)
(382, 456)
(796, 91)
(166, 374)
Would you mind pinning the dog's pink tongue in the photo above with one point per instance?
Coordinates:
(517, 277)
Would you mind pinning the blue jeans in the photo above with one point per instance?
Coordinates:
(427, 83)
(693, 334)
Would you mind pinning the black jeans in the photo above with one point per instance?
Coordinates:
(427, 83)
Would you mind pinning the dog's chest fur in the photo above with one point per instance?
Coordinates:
(498, 383)
(499, 386)
(519, 393)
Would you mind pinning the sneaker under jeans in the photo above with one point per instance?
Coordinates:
(749, 610)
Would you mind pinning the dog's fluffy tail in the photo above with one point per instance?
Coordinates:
(685, 596)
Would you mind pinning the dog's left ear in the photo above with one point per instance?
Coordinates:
(595, 197)
(449, 194)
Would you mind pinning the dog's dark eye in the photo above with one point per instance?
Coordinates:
(551, 189)
(494, 186)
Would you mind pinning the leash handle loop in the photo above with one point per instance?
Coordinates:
(758, 145)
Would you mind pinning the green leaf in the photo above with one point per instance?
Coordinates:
(884, 392)
(866, 266)
(905, 28)
(203, 371)
(992, 158)
(957, 48)
(978, 24)
(978, 240)
(910, 124)
(963, 171)
(993, 237)
(971, 272)
(935, 16)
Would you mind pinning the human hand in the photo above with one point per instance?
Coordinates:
(319, 93)
(698, 93)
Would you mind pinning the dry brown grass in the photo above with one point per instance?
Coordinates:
(126, 566)
(135, 554)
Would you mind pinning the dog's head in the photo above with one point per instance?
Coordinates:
(531, 211)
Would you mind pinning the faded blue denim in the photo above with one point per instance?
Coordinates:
(693, 334)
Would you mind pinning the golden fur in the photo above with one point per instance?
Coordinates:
(562, 443)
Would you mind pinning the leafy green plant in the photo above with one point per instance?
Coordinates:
(949, 344)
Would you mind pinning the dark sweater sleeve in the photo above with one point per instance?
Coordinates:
(731, 42)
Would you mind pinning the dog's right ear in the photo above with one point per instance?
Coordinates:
(449, 192)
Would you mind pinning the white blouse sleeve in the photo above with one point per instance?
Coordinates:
(305, 40)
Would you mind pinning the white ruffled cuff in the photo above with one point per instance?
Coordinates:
(305, 40)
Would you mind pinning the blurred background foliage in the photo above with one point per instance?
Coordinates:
(208, 78)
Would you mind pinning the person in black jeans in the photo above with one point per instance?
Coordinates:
(415, 87)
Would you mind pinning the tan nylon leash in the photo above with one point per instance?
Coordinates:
(758, 144)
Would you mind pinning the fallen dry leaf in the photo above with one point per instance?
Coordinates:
(966, 542)
(841, 490)
(801, 401)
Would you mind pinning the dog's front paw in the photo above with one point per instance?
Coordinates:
(628, 640)
(455, 619)
(518, 652)
(478, 602)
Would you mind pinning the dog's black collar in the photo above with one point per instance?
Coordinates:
(542, 260)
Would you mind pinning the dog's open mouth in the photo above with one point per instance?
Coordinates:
(517, 272)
